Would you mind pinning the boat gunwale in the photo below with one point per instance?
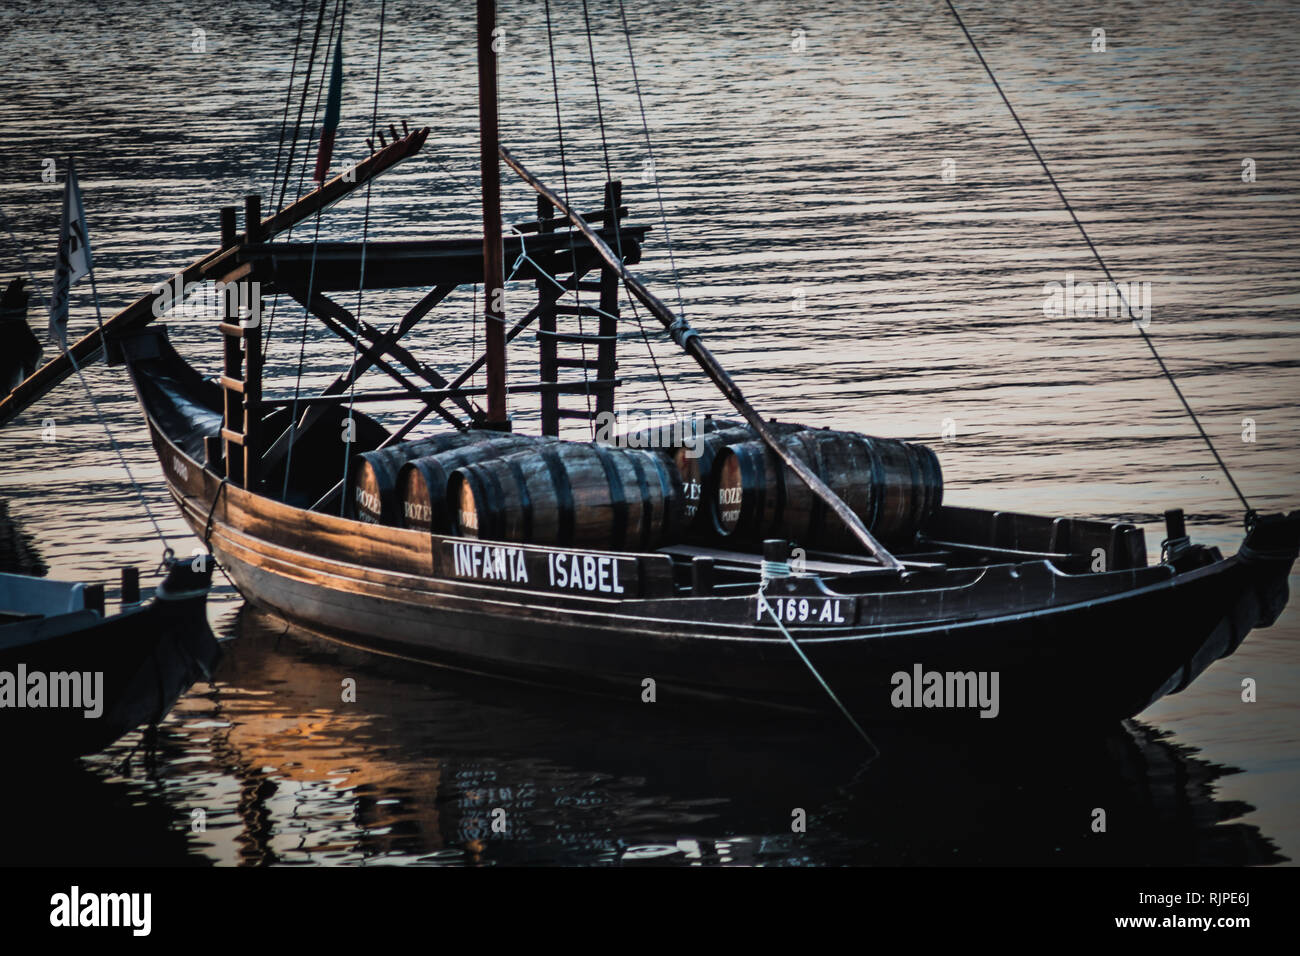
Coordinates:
(587, 606)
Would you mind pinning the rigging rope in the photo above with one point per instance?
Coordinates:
(654, 169)
(302, 357)
(663, 219)
(564, 175)
(306, 153)
(763, 603)
(139, 491)
(279, 149)
(302, 103)
(365, 231)
(1100, 261)
(339, 12)
(600, 114)
(288, 97)
(609, 176)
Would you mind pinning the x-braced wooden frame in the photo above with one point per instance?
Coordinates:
(556, 260)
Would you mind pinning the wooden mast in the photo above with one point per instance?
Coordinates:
(494, 279)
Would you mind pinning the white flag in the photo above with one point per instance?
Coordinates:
(73, 261)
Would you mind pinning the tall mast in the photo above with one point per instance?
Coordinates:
(494, 280)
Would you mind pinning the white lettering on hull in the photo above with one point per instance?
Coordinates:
(491, 562)
(804, 610)
(541, 568)
(585, 572)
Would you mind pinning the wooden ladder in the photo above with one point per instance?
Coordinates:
(605, 338)
(241, 369)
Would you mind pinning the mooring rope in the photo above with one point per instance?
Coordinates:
(139, 491)
(763, 603)
(207, 536)
(1100, 261)
(663, 218)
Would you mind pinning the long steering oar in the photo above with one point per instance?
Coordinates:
(690, 342)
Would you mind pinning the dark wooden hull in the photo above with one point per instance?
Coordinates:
(1067, 648)
(148, 656)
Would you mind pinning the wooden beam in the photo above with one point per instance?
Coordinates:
(141, 312)
(441, 394)
(343, 324)
(547, 222)
(280, 446)
(585, 261)
(407, 264)
(494, 269)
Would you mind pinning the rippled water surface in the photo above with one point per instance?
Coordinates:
(842, 278)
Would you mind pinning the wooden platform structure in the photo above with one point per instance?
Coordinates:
(556, 263)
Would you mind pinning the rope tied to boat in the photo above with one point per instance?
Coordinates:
(764, 603)
(212, 510)
(139, 491)
(207, 536)
(771, 570)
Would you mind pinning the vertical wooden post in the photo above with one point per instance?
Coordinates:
(494, 276)
(232, 360)
(228, 237)
(232, 374)
(241, 367)
(250, 298)
(130, 592)
(93, 595)
(212, 452)
(252, 218)
(606, 361)
(547, 346)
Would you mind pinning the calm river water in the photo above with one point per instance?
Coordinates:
(864, 239)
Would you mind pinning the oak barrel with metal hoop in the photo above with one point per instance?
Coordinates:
(570, 493)
(895, 487)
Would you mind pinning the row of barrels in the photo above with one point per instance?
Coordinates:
(719, 480)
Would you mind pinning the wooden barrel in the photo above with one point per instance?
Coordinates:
(422, 482)
(893, 486)
(695, 465)
(372, 475)
(570, 493)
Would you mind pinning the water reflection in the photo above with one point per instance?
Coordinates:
(280, 770)
(18, 551)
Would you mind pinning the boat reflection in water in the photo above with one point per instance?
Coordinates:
(271, 766)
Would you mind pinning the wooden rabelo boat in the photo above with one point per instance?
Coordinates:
(581, 566)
